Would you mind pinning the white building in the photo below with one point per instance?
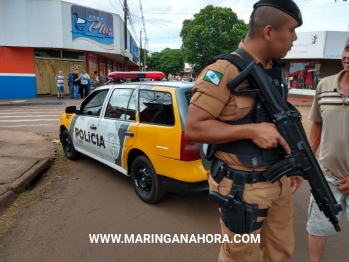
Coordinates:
(313, 56)
(39, 37)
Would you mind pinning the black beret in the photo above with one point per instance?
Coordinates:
(287, 6)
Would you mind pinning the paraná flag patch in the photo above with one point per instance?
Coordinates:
(213, 77)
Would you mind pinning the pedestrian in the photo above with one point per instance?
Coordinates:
(60, 85)
(95, 82)
(328, 132)
(84, 78)
(70, 79)
(109, 80)
(88, 86)
(76, 84)
(244, 145)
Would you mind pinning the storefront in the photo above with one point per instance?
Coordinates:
(37, 42)
(314, 56)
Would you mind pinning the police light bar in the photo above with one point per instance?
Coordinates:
(135, 75)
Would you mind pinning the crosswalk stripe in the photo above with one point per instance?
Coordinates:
(46, 112)
(29, 125)
(28, 120)
(22, 116)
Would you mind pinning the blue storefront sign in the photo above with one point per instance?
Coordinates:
(93, 26)
(134, 48)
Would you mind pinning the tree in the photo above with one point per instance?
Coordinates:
(168, 61)
(213, 31)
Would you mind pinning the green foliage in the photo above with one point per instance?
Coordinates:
(213, 31)
(168, 61)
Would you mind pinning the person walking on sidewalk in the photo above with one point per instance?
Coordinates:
(76, 81)
(245, 141)
(84, 78)
(70, 79)
(60, 85)
(329, 133)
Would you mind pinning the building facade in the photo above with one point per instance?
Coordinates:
(38, 38)
(314, 55)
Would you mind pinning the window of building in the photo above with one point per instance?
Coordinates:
(42, 52)
(73, 55)
(304, 75)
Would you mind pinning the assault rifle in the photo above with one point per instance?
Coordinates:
(286, 117)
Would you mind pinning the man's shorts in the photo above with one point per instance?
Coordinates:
(60, 89)
(318, 224)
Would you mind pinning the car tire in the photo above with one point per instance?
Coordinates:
(68, 146)
(145, 181)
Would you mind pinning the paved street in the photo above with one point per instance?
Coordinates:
(88, 197)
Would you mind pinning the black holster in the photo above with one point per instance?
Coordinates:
(241, 217)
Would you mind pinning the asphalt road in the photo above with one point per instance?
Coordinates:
(88, 197)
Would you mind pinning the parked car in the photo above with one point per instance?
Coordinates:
(138, 129)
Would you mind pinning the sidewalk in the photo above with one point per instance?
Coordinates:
(301, 97)
(24, 155)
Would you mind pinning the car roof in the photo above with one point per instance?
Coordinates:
(174, 84)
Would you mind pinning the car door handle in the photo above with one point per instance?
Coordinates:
(93, 127)
(129, 134)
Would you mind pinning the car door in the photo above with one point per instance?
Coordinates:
(118, 125)
(87, 137)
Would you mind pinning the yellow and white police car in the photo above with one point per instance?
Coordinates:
(137, 129)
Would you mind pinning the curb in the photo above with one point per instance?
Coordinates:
(20, 184)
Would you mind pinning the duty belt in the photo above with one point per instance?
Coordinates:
(250, 176)
(220, 169)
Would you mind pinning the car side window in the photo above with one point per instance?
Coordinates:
(156, 107)
(92, 105)
(121, 105)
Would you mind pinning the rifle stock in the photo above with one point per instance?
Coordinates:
(301, 161)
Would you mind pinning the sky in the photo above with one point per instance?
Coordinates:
(163, 19)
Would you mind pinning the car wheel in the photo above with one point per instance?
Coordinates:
(68, 147)
(145, 181)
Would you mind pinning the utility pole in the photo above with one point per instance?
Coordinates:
(125, 34)
(145, 58)
(145, 37)
(140, 52)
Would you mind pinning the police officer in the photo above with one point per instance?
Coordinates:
(245, 145)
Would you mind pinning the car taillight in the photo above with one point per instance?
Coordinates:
(189, 150)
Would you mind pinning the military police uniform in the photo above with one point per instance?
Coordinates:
(212, 95)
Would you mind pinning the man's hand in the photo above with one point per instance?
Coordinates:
(267, 136)
(344, 188)
(295, 183)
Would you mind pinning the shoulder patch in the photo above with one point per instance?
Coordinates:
(213, 77)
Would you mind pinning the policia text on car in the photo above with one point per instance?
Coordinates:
(246, 142)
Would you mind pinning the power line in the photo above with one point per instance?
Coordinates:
(133, 28)
(248, 8)
(145, 31)
(114, 6)
(151, 21)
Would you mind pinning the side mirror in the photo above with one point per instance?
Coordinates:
(70, 109)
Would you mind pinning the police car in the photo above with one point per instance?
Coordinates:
(137, 129)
